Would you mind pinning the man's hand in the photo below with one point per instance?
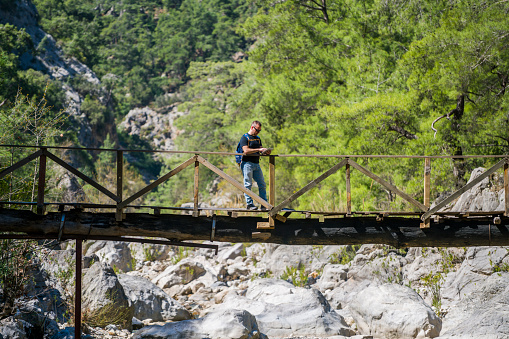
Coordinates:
(265, 151)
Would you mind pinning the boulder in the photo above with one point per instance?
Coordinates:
(479, 262)
(151, 302)
(149, 252)
(484, 313)
(116, 254)
(332, 276)
(283, 310)
(394, 311)
(104, 298)
(230, 252)
(232, 324)
(186, 271)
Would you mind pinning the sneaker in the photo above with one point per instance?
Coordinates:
(263, 208)
(251, 207)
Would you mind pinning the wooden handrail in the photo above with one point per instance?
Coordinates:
(271, 205)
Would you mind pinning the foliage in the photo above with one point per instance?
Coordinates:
(16, 264)
(181, 253)
(110, 313)
(296, 275)
(344, 255)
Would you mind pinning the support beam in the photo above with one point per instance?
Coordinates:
(77, 295)
(394, 231)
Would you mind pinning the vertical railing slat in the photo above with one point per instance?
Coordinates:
(120, 183)
(348, 191)
(42, 183)
(196, 191)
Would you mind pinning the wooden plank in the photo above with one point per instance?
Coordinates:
(41, 185)
(388, 186)
(234, 182)
(348, 191)
(157, 182)
(308, 187)
(463, 189)
(506, 187)
(196, 187)
(20, 163)
(82, 176)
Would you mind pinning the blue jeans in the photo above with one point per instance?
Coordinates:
(252, 171)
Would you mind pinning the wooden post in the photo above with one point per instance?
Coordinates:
(506, 187)
(196, 182)
(272, 186)
(427, 189)
(77, 295)
(120, 179)
(272, 180)
(41, 183)
(348, 191)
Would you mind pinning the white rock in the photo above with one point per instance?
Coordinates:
(394, 311)
(232, 324)
(151, 302)
(283, 310)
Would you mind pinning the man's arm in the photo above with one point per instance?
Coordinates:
(248, 150)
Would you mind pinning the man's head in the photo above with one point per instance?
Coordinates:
(256, 127)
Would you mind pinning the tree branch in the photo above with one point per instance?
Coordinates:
(403, 132)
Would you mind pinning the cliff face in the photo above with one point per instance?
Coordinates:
(50, 59)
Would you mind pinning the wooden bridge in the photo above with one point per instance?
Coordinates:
(422, 226)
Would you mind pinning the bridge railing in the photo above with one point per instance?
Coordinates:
(349, 162)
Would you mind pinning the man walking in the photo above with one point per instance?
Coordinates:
(250, 165)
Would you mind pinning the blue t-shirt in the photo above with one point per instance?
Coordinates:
(251, 141)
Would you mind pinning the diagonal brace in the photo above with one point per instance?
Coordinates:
(156, 183)
(82, 176)
(464, 189)
(308, 187)
(234, 182)
(389, 186)
(20, 163)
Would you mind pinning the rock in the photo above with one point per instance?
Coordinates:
(332, 276)
(89, 260)
(151, 302)
(479, 262)
(116, 254)
(184, 272)
(154, 126)
(394, 311)
(137, 324)
(283, 310)
(104, 298)
(13, 329)
(484, 313)
(232, 324)
(231, 252)
(149, 252)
